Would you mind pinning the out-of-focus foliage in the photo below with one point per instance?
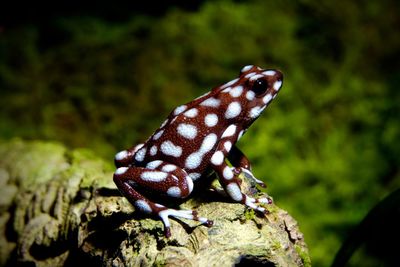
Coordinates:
(327, 146)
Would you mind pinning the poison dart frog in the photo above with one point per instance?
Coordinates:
(197, 138)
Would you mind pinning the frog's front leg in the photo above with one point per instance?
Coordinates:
(163, 178)
(242, 164)
(228, 177)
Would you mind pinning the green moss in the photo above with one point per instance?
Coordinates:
(303, 255)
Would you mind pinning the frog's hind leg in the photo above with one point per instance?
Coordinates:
(161, 177)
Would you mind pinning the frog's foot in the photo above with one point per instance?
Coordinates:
(252, 203)
(247, 173)
(186, 214)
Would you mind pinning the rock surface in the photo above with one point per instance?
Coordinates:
(59, 207)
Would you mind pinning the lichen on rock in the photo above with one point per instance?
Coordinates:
(60, 207)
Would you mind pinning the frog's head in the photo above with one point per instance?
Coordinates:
(251, 92)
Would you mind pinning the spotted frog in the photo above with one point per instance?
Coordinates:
(196, 138)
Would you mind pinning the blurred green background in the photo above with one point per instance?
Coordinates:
(105, 77)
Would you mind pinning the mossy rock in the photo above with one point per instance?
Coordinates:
(59, 207)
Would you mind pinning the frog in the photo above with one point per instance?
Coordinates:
(196, 139)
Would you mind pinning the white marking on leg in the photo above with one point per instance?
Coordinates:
(233, 110)
(227, 173)
(158, 134)
(193, 160)
(143, 206)
(211, 102)
(168, 168)
(174, 191)
(153, 164)
(189, 182)
(168, 148)
(153, 176)
(187, 130)
(234, 192)
(179, 110)
(236, 91)
(217, 158)
(121, 170)
(153, 150)
(228, 146)
(191, 113)
(277, 85)
(211, 120)
(229, 131)
(139, 156)
(208, 143)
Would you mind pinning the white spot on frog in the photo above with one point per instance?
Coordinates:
(228, 145)
(211, 120)
(153, 176)
(121, 170)
(153, 164)
(153, 150)
(269, 72)
(174, 191)
(256, 111)
(143, 206)
(233, 110)
(139, 156)
(194, 159)
(158, 134)
(217, 158)
(249, 75)
(168, 148)
(229, 131)
(211, 102)
(229, 83)
(227, 173)
(187, 130)
(246, 68)
(250, 95)
(168, 168)
(267, 98)
(179, 110)
(236, 91)
(277, 85)
(234, 192)
(255, 77)
(195, 175)
(191, 113)
(121, 155)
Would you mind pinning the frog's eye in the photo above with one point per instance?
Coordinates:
(259, 86)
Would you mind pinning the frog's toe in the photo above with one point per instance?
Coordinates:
(252, 203)
(249, 175)
(185, 214)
